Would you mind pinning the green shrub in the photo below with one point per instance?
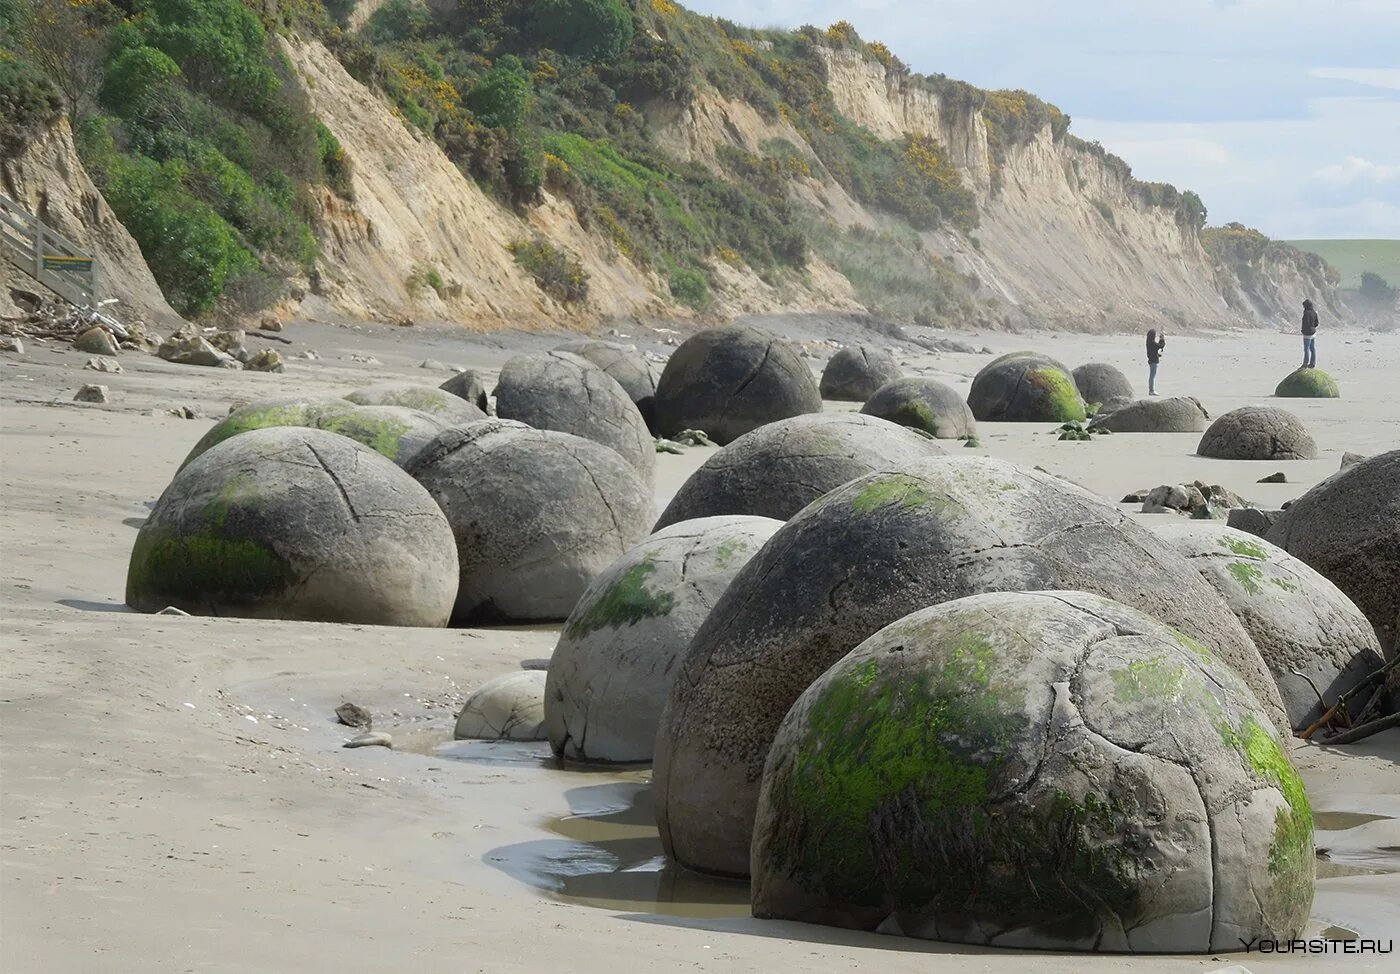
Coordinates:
(560, 276)
(597, 30)
(220, 45)
(1376, 289)
(398, 20)
(139, 81)
(28, 102)
(422, 278)
(335, 164)
(690, 287)
(501, 98)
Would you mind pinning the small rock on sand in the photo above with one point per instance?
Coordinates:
(268, 360)
(93, 393)
(8, 344)
(353, 715)
(269, 323)
(370, 739)
(100, 364)
(1274, 478)
(96, 340)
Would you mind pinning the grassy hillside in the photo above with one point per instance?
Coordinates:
(1352, 258)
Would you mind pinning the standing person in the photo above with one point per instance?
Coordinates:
(1309, 331)
(1154, 355)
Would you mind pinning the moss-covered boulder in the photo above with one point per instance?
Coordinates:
(861, 557)
(1035, 770)
(923, 404)
(778, 469)
(1300, 621)
(853, 374)
(427, 399)
(536, 515)
(1308, 384)
(1257, 433)
(1024, 387)
(628, 367)
(1101, 383)
(292, 523)
(507, 708)
(612, 669)
(730, 380)
(1174, 414)
(470, 386)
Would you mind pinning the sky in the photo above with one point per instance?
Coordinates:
(1282, 114)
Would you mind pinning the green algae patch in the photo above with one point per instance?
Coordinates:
(1059, 397)
(626, 602)
(890, 490)
(246, 419)
(195, 569)
(1308, 384)
(383, 436)
(1284, 584)
(1148, 679)
(727, 551)
(916, 414)
(1249, 576)
(1199, 649)
(1245, 549)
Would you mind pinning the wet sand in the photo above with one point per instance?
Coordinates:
(173, 794)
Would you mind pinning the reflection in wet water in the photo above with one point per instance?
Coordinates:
(1340, 821)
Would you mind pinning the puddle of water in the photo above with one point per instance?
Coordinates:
(519, 754)
(1340, 933)
(1340, 821)
(1328, 868)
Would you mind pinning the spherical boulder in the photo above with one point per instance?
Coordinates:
(628, 367)
(1300, 622)
(1257, 433)
(566, 393)
(427, 399)
(923, 404)
(1035, 770)
(612, 669)
(778, 469)
(508, 708)
(536, 515)
(1175, 414)
(1100, 382)
(1348, 529)
(864, 555)
(854, 373)
(1024, 387)
(730, 380)
(470, 386)
(292, 523)
(1308, 384)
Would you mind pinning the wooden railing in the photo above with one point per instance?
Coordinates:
(46, 255)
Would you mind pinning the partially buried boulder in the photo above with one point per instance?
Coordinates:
(468, 385)
(1297, 618)
(1257, 433)
(536, 514)
(1177, 414)
(778, 469)
(1024, 387)
(187, 346)
(612, 670)
(1348, 528)
(1035, 770)
(923, 404)
(508, 708)
(628, 367)
(291, 523)
(1308, 384)
(96, 341)
(566, 393)
(730, 380)
(853, 374)
(865, 555)
(1100, 382)
(426, 399)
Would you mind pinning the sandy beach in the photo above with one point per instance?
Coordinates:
(173, 791)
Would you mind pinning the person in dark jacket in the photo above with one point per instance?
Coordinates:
(1309, 333)
(1154, 355)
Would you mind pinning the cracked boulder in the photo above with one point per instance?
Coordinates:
(1299, 621)
(470, 386)
(1348, 528)
(778, 469)
(1048, 770)
(508, 708)
(292, 523)
(1025, 387)
(566, 393)
(425, 399)
(612, 669)
(1101, 383)
(628, 368)
(871, 552)
(854, 374)
(1257, 433)
(730, 380)
(1175, 414)
(536, 515)
(923, 404)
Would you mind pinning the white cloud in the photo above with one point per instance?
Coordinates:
(1388, 78)
(1356, 180)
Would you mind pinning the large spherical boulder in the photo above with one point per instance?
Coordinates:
(1300, 622)
(1035, 770)
(778, 469)
(536, 515)
(1024, 387)
(508, 708)
(853, 374)
(612, 669)
(427, 399)
(470, 386)
(292, 523)
(1308, 384)
(730, 380)
(1100, 382)
(1257, 433)
(923, 404)
(395, 432)
(1348, 528)
(859, 558)
(566, 393)
(1175, 414)
(628, 367)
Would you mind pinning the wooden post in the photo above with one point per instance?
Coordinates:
(38, 249)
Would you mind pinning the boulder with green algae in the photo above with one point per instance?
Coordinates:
(854, 374)
(864, 555)
(1024, 387)
(612, 669)
(293, 523)
(1102, 383)
(1257, 433)
(1308, 384)
(780, 468)
(427, 399)
(1300, 622)
(1035, 770)
(923, 404)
